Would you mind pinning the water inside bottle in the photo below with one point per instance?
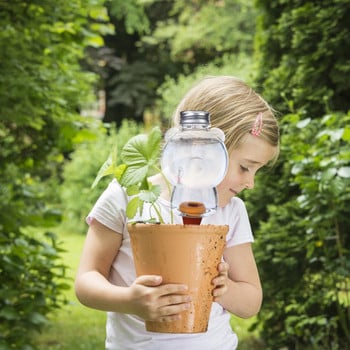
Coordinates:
(196, 163)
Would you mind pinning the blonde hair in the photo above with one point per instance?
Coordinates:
(233, 107)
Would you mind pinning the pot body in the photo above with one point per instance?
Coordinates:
(185, 254)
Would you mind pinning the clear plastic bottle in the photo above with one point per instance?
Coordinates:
(194, 160)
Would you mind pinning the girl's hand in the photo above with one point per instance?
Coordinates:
(155, 302)
(220, 281)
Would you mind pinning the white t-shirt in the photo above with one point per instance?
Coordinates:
(128, 331)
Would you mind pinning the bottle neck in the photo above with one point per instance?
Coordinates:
(185, 127)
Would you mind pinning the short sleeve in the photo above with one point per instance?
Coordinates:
(235, 215)
(110, 208)
(240, 230)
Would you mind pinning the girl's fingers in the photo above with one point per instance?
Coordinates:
(149, 280)
(155, 281)
(223, 267)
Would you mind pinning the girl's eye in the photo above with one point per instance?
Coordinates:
(244, 169)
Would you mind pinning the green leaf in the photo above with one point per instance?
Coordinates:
(119, 171)
(140, 153)
(303, 123)
(94, 41)
(132, 207)
(134, 175)
(346, 134)
(142, 149)
(37, 318)
(135, 151)
(336, 134)
(154, 140)
(328, 174)
(151, 195)
(107, 168)
(133, 190)
(344, 171)
(297, 168)
(8, 313)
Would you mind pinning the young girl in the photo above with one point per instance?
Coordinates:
(106, 278)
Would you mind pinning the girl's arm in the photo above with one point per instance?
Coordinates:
(238, 287)
(146, 297)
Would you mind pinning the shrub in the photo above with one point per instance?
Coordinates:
(303, 248)
(32, 287)
(80, 171)
(303, 54)
(42, 87)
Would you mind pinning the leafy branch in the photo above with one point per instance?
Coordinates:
(140, 157)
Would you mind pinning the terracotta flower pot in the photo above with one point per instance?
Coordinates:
(187, 254)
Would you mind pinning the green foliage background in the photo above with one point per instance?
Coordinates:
(303, 244)
(302, 50)
(80, 171)
(42, 88)
(299, 210)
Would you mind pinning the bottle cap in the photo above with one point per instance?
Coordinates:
(200, 118)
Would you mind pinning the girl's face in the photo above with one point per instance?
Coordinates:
(244, 161)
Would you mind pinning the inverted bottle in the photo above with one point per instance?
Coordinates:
(195, 161)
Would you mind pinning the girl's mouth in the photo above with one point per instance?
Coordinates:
(234, 192)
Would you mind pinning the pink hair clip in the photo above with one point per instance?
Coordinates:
(258, 125)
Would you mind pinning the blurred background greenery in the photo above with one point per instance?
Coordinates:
(80, 77)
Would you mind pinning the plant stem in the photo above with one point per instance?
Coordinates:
(169, 191)
(158, 213)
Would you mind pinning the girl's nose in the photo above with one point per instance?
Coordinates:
(250, 183)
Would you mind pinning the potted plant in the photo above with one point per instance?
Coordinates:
(186, 254)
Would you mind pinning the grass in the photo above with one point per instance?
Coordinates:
(247, 340)
(75, 327)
